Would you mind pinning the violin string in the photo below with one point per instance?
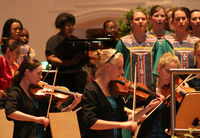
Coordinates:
(184, 81)
(191, 78)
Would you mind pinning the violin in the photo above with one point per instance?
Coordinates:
(183, 89)
(124, 87)
(180, 91)
(43, 90)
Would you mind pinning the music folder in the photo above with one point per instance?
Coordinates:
(64, 124)
(6, 127)
(189, 112)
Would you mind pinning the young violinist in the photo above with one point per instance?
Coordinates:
(27, 112)
(154, 126)
(195, 83)
(103, 112)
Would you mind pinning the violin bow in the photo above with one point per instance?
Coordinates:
(184, 81)
(134, 93)
(50, 100)
(191, 78)
(134, 96)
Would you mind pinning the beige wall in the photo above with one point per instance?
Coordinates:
(38, 16)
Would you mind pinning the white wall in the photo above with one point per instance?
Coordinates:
(38, 16)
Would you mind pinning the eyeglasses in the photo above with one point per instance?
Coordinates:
(111, 57)
(15, 29)
(68, 26)
(110, 28)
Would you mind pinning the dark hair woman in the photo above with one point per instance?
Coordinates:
(28, 112)
(12, 29)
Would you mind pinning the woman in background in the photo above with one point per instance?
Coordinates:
(158, 19)
(62, 54)
(8, 65)
(137, 47)
(25, 50)
(181, 41)
(169, 16)
(12, 29)
(111, 31)
(195, 22)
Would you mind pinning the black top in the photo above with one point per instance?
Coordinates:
(154, 126)
(17, 100)
(96, 106)
(65, 50)
(53, 42)
(61, 48)
(110, 44)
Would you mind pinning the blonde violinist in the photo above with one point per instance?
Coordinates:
(195, 83)
(28, 113)
(103, 112)
(154, 126)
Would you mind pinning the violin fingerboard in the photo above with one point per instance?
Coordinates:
(60, 90)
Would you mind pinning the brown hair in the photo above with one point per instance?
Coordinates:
(30, 64)
(10, 44)
(157, 8)
(185, 10)
(170, 9)
(138, 10)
